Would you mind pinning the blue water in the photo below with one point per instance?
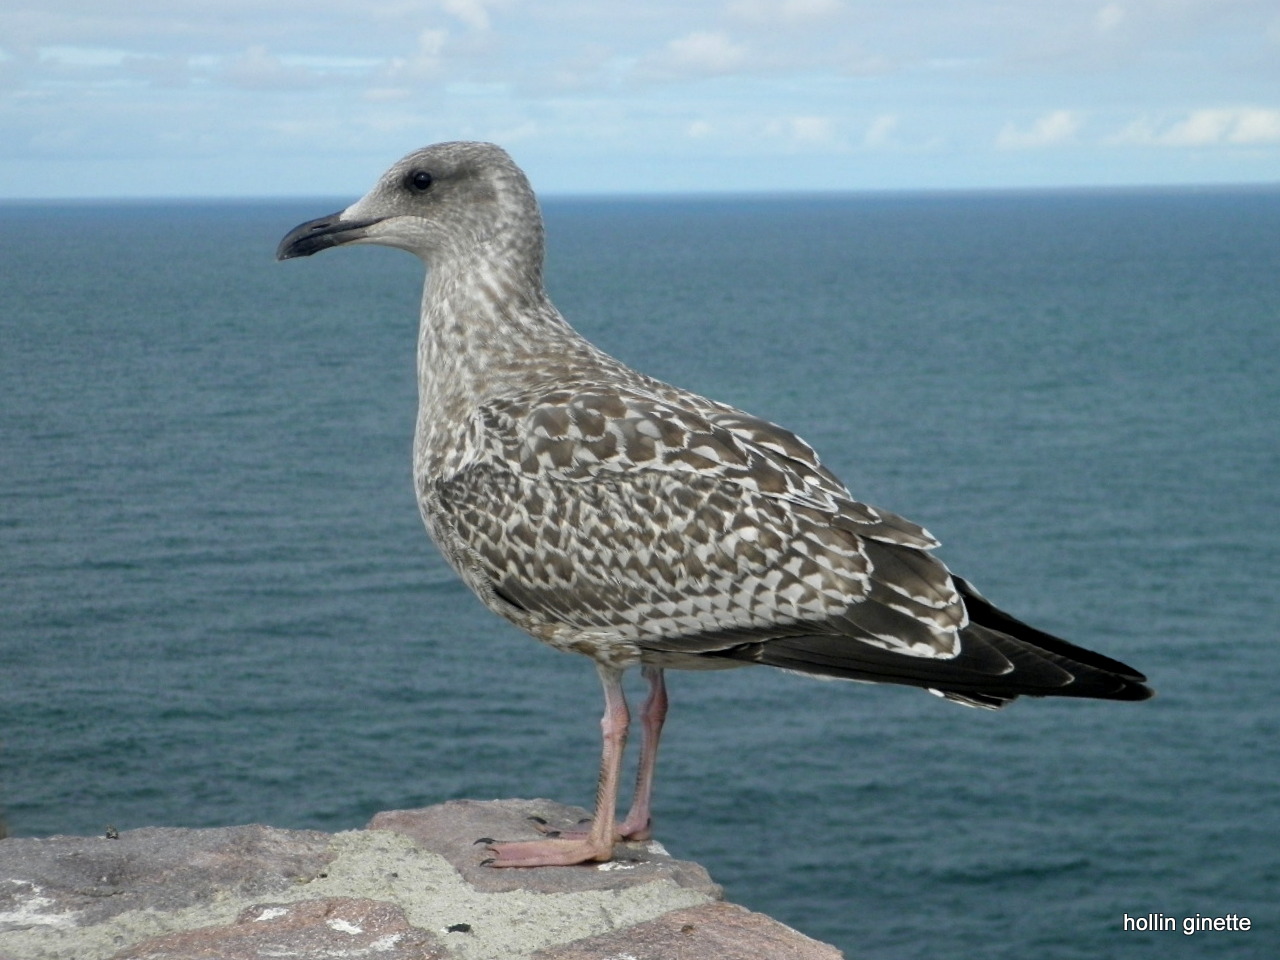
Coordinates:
(217, 604)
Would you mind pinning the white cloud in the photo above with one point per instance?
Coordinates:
(470, 12)
(1108, 18)
(704, 52)
(803, 132)
(170, 72)
(309, 130)
(1255, 125)
(812, 129)
(427, 61)
(1059, 126)
(1201, 128)
(74, 56)
(514, 133)
(1233, 126)
(592, 66)
(880, 133)
(257, 69)
(783, 11)
(431, 44)
(386, 94)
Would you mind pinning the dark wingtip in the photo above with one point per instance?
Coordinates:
(1134, 691)
(1104, 671)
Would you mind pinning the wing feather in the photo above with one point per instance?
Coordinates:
(684, 529)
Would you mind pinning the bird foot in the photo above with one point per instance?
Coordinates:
(635, 830)
(552, 852)
(626, 831)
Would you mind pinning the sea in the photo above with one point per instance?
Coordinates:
(218, 605)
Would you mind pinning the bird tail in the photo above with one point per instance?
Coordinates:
(1001, 658)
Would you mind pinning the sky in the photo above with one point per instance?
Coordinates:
(259, 98)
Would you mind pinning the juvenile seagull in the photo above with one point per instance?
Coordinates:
(616, 516)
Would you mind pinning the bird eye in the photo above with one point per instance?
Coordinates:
(419, 181)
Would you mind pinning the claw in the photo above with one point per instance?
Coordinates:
(538, 820)
(484, 840)
(485, 863)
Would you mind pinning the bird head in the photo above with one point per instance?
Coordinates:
(440, 201)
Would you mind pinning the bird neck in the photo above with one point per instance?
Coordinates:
(487, 330)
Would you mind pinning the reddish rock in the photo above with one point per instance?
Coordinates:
(338, 927)
(721, 931)
(451, 830)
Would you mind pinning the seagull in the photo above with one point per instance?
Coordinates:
(610, 514)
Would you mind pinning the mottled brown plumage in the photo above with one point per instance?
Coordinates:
(613, 515)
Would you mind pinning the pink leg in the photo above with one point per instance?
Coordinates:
(596, 845)
(637, 824)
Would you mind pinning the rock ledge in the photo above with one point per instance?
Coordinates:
(407, 887)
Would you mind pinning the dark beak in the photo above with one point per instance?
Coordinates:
(316, 235)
